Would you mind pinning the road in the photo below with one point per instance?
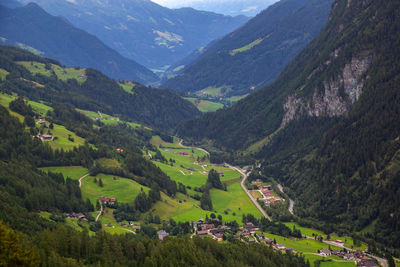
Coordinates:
(291, 201)
(247, 191)
(80, 179)
(100, 212)
(198, 148)
(381, 261)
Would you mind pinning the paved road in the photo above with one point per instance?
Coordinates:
(248, 193)
(80, 179)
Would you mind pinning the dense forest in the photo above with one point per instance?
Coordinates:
(153, 107)
(343, 170)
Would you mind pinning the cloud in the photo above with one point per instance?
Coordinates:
(250, 8)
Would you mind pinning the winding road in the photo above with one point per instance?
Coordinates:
(80, 179)
(100, 212)
(381, 261)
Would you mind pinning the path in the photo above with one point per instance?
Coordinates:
(182, 172)
(247, 191)
(291, 201)
(150, 156)
(100, 212)
(198, 148)
(80, 179)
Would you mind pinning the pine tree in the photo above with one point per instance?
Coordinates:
(100, 183)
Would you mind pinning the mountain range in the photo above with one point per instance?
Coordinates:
(144, 31)
(57, 38)
(253, 55)
(328, 127)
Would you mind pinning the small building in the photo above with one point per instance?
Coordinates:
(162, 234)
(367, 263)
(280, 247)
(123, 224)
(190, 169)
(325, 252)
(202, 232)
(136, 227)
(47, 137)
(221, 174)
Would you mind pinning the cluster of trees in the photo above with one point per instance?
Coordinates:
(63, 246)
(213, 181)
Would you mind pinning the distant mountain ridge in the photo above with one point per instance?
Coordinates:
(141, 30)
(59, 39)
(253, 55)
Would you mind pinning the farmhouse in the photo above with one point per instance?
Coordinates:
(325, 252)
(108, 201)
(280, 247)
(258, 181)
(221, 174)
(162, 234)
(367, 263)
(202, 232)
(46, 137)
(75, 215)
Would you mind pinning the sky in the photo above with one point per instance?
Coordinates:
(228, 7)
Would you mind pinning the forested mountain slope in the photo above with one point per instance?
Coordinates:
(90, 90)
(57, 38)
(329, 126)
(253, 55)
(142, 30)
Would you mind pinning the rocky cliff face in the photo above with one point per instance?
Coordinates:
(336, 96)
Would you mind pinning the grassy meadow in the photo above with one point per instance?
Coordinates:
(205, 105)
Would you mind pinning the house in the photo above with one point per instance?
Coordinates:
(325, 252)
(162, 234)
(202, 232)
(81, 77)
(258, 181)
(190, 169)
(207, 226)
(183, 153)
(108, 201)
(221, 174)
(339, 241)
(75, 215)
(348, 256)
(123, 224)
(250, 227)
(280, 246)
(217, 232)
(367, 263)
(136, 227)
(47, 137)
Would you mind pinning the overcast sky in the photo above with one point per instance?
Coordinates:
(228, 7)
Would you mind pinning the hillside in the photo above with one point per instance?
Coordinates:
(141, 30)
(91, 90)
(57, 38)
(254, 55)
(328, 128)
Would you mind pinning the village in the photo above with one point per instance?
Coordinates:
(265, 193)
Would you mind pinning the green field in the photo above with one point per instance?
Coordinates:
(125, 190)
(236, 98)
(5, 101)
(3, 74)
(73, 172)
(40, 108)
(205, 105)
(128, 86)
(246, 47)
(348, 241)
(188, 210)
(211, 91)
(62, 142)
(62, 73)
(107, 119)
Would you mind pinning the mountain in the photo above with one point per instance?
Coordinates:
(328, 127)
(253, 55)
(141, 30)
(89, 89)
(57, 38)
(228, 7)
